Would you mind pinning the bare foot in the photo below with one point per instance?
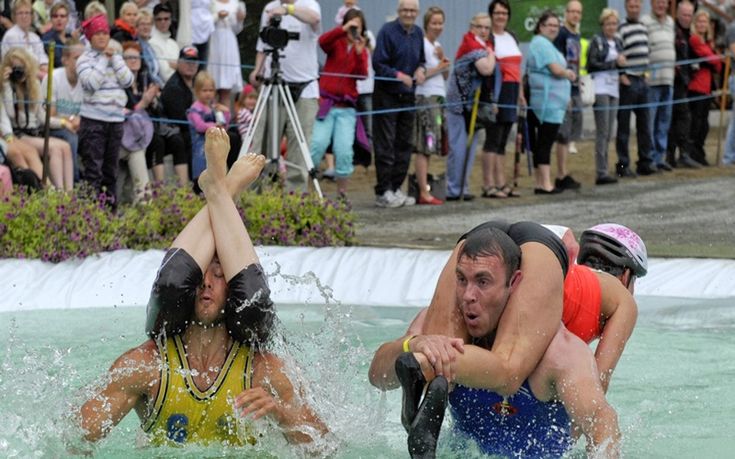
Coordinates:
(216, 148)
(244, 172)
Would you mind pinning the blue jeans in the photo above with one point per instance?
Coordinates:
(660, 119)
(729, 157)
(337, 128)
(458, 155)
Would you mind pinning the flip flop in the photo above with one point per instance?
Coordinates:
(408, 371)
(427, 424)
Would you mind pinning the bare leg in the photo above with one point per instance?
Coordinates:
(561, 160)
(422, 173)
(182, 172)
(499, 169)
(233, 245)
(197, 237)
(25, 156)
(158, 172)
(342, 185)
(68, 165)
(488, 171)
(224, 97)
(543, 177)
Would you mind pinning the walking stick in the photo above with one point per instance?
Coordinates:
(47, 127)
(470, 137)
(723, 101)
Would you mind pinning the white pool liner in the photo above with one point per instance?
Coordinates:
(354, 275)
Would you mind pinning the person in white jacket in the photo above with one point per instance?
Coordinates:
(165, 47)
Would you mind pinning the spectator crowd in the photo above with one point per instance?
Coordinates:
(127, 94)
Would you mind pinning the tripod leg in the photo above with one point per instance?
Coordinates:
(257, 116)
(300, 137)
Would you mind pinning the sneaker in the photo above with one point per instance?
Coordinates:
(407, 200)
(328, 175)
(572, 148)
(567, 183)
(388, 200)
(605, 180)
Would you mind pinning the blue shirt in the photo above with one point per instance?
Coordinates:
(549, 94)
(397, 50)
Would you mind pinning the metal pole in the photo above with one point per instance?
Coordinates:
(47, 126)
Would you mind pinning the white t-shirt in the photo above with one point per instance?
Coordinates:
(505, 46)
(434, 86)
(606, 83)
(68, 99)
(299, 62)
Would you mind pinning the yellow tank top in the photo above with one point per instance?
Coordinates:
(184, 414)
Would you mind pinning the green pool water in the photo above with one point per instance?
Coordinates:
(672, 389)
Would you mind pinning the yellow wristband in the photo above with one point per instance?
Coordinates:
(290, 9)
(405, 343)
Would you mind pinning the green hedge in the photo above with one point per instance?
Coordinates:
(55, 226)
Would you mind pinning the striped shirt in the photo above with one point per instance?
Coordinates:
(635, 46)
(662, 51)
(103, 80)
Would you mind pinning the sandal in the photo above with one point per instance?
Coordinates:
(510, 192)
(493, 192)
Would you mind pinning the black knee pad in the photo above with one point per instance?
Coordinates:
(171, 304)
(249, 311)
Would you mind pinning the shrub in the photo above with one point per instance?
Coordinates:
(55, 226)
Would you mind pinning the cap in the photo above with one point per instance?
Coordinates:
(189, 53)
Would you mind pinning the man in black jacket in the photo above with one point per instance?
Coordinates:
(681, 118)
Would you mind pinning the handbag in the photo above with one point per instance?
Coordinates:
(587, 89)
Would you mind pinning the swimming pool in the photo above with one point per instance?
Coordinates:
(672, 388)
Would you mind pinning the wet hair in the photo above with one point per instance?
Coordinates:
(504, 3)
(492, 242)
(433, 10)
(601, 264)
(545, 16)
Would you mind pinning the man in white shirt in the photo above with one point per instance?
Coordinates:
(300, 68)
(165, 47)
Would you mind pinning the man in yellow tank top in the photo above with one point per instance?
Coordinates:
(209, 316)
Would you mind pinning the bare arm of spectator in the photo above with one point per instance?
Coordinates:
(486, 65)
(302, 13)
(258, 70)
(560, 71)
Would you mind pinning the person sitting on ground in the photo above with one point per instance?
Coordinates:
(22, 102)
(538, 419)
(209, 320)
(66, 98)
(124, 27)
(21, 35)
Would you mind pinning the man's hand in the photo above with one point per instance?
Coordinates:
(253, 78)
(441, 352)
(405, 79)
(420, 75)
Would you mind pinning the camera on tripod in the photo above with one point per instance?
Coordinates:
(276, 37)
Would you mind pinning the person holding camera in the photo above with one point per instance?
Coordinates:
(337, 119)
(299, 69)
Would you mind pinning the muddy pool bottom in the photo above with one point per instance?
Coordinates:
(672, 389)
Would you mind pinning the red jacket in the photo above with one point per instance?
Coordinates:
(343, 59)
(701, 81)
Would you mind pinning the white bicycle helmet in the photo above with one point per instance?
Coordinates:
(616, 243)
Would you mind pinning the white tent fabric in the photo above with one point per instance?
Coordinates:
(353, 275)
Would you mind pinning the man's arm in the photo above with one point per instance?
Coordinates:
(620, 308)
(568, 372)
(526, 327)
(274, 395)
(129, 379)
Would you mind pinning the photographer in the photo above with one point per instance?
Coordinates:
(300, 70)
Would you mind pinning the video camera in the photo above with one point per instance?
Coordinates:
(276, 37)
